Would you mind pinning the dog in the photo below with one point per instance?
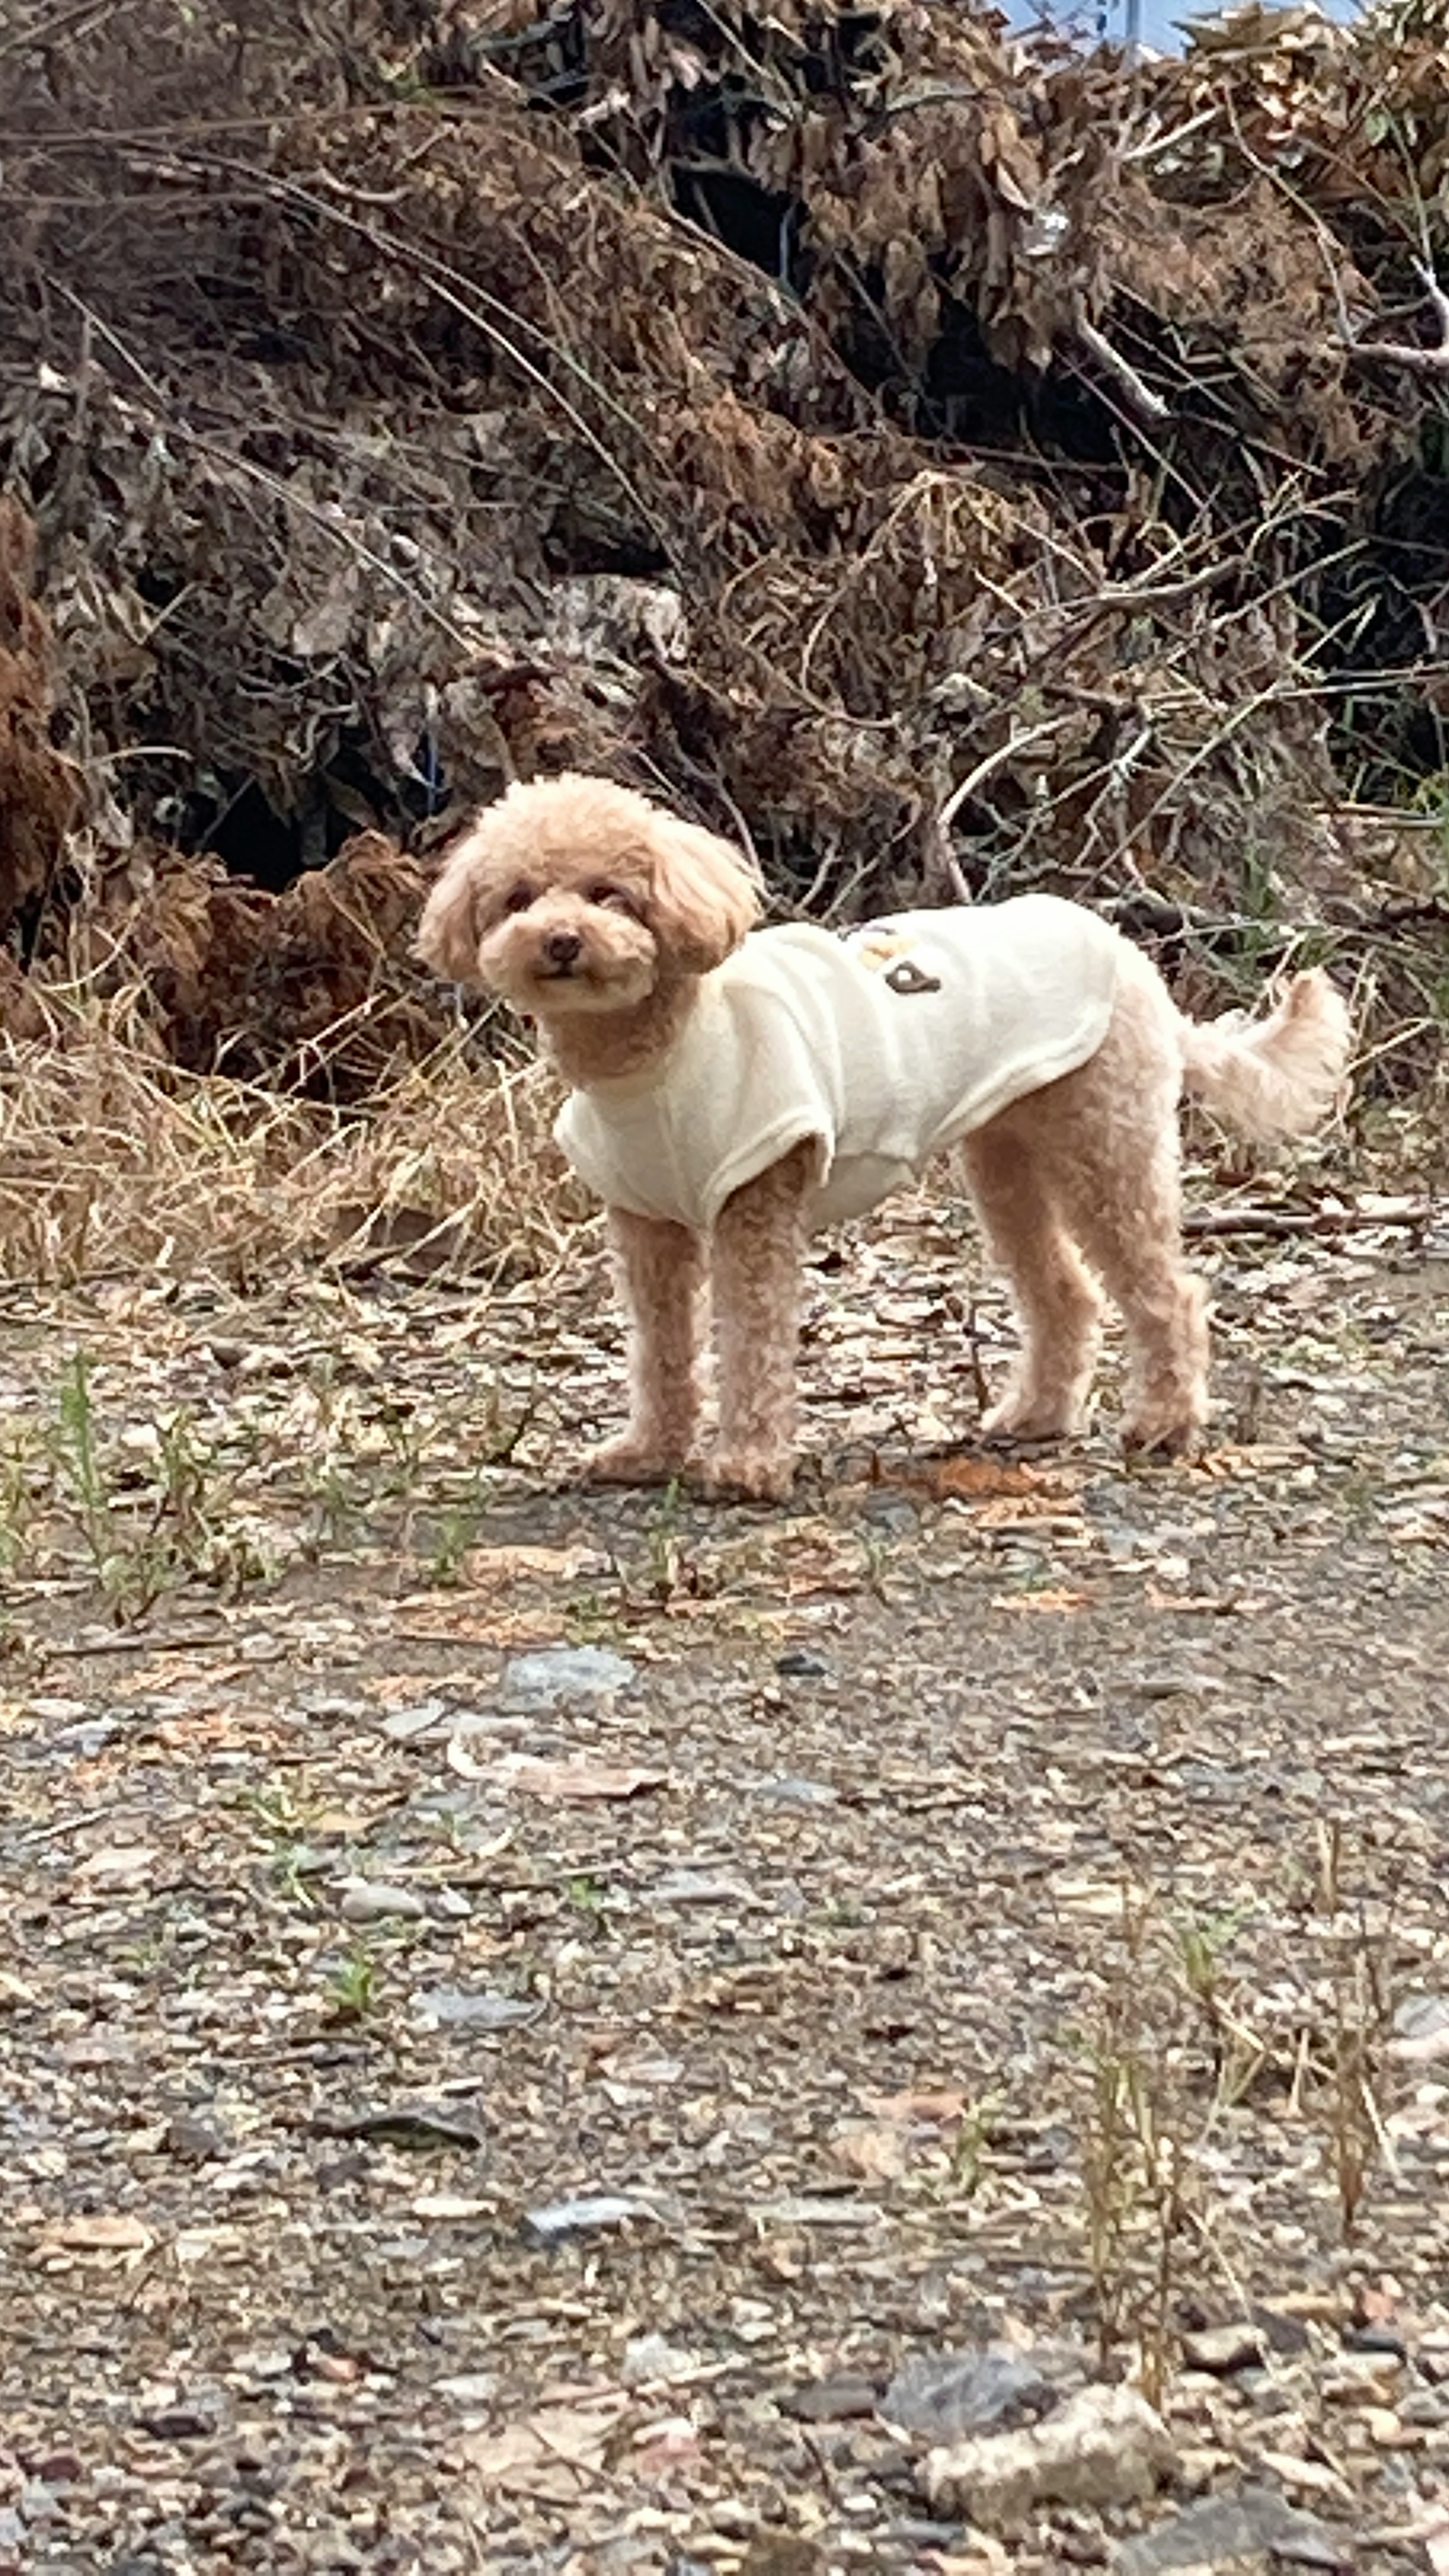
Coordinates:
(732, 1088)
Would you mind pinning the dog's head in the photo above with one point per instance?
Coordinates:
(572, 895)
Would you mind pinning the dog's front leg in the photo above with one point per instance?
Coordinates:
(759, 1243)
(659, 1270)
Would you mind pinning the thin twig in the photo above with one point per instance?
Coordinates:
(1287, 1222)
(1408, 353)
(1139, 395)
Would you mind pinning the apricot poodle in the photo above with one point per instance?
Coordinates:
(732, 1088)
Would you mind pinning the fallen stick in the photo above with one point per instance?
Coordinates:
(1287, 1222)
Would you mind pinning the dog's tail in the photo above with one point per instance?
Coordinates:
(1277, 1076)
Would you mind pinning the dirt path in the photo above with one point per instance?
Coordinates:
(980, 1903)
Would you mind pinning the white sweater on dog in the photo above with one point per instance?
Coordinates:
(883, 1047)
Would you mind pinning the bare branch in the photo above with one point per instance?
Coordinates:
(1140, 396)
(1410, 353)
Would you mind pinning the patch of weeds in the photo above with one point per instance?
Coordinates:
(875, 1549)
(668, 1567)
(151, 1510)
(1344, 2020)
(592, 1621)
(1145, 2100)
(590, 1898)
(281, 1823)
(971, 2146)
(1179, 2048)
(353, 1987)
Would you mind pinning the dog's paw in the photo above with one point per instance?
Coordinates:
(748, 1476)
(1160, 1437)
(1030, 1418)
(627, 1461)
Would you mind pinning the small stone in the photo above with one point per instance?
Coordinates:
(370, 1900)
(178, 2424)
(402, 1724)
(468, 2387)
(787, 1791)
(950, 2395)
(698, 1887)
(798, 1664)
(1105, 2446)
(1224, 2349)
(652, 2358)
(1426, 2408)
(831, 2401)
(1233, 2532)
(1421, 2029)
(586, 2215)
(1284, 2333)
(566, 1672)
(1380, 2339)
(194, 2141)
(454, 2008)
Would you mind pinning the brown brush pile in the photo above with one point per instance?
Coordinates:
(913, 448)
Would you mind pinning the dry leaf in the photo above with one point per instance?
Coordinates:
(489, 1567)
(931, 2107)
(1311, 2475)
(98, 2235)
(555, 2455)
(974, 1479)
(879, 2149)
(1060, 1600)
(537, 1777)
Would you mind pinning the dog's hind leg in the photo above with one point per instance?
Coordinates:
(660, 1271)
(1127, 1219)
(1108, 1137)
(758, 1246)
(1057, 1305)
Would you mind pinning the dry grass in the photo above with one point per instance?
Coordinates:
(112, 1161)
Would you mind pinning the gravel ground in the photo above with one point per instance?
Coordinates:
(522, 2012)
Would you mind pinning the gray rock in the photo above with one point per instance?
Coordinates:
(1105, 2446)
(402, 1724)
(557, 1673)
(369, 1900)
(1224, 2349)
(652, 2357)
(700, 1887)
(830, 2401)
(1233, 2534)
(453, 2008)
(785, 1790)
(583, 2216)
(952, 2394)
(1421, 2029)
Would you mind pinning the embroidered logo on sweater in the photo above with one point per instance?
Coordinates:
(906, 978)
(891, 949)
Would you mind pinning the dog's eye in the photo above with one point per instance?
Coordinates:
(615, 897)
(518, 898)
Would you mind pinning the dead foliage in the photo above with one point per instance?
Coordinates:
(113, 1161)
(908, 445)
(37, 788)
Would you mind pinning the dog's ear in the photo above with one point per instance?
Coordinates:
(704, 895)
(447, 937)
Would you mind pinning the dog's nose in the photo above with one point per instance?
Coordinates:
(562, 946)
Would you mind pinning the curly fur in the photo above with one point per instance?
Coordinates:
(597, 913)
